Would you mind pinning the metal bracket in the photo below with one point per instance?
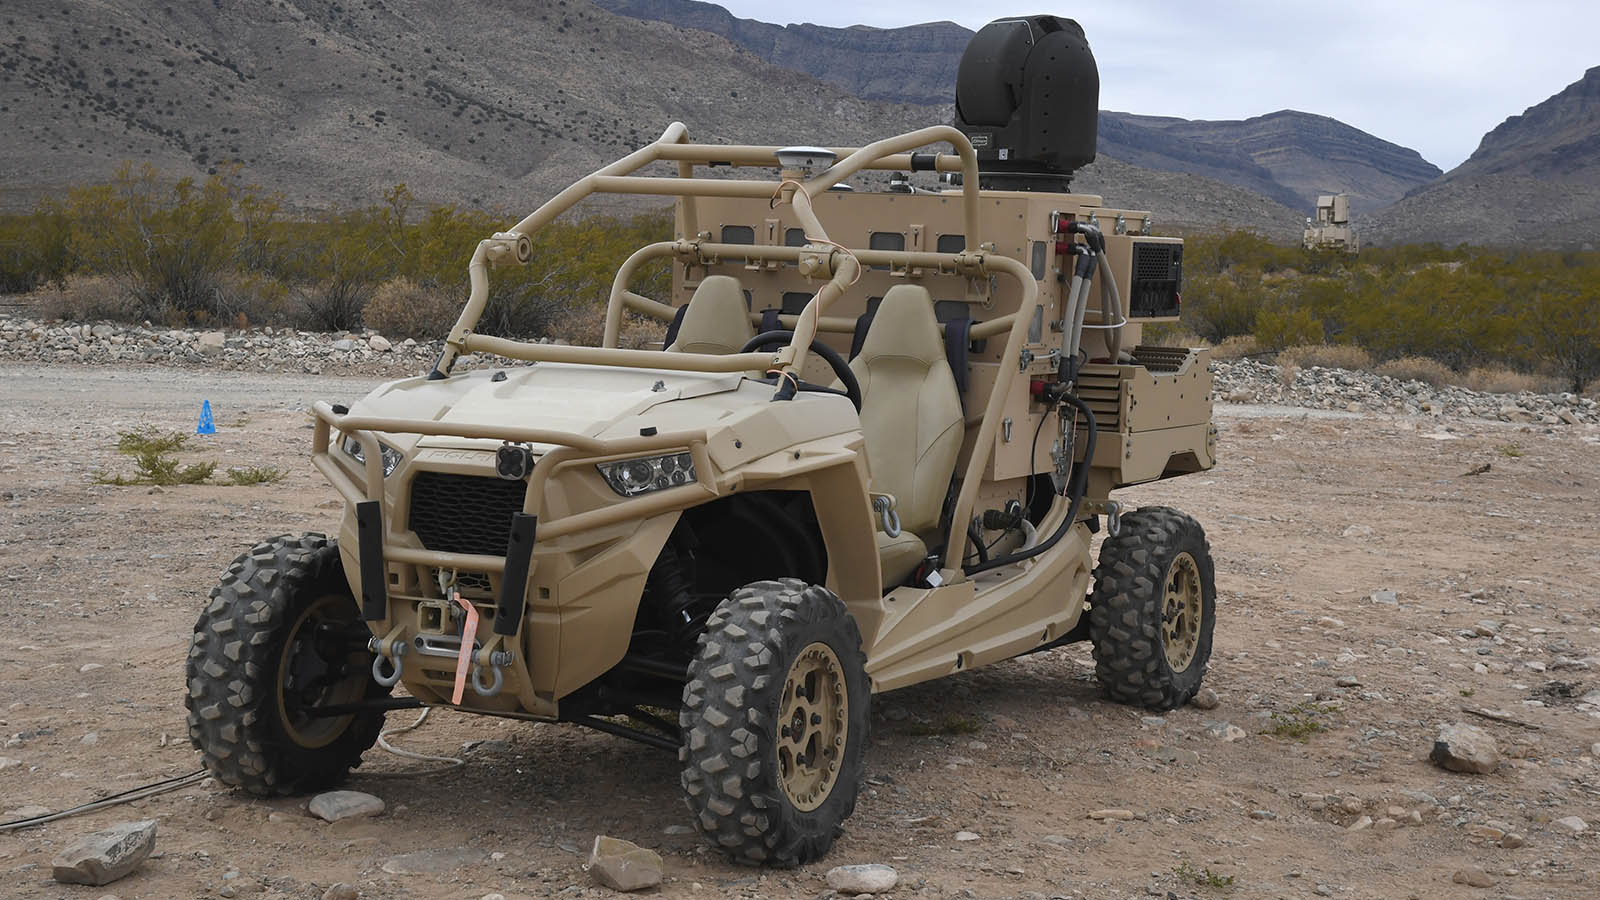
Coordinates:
(512, 602)
(369, 544)
(883, 505)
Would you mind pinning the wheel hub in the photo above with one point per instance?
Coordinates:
(320, 668)
(1181, 612)
(813, 726)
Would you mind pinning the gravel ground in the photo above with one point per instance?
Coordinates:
(1334, 687)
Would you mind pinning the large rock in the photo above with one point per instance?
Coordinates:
(872, 878)
(335, 805)
(1573, 824)
(212, 342)
(623, 866)
(380, 343)
(1465, 748)
(105, 856)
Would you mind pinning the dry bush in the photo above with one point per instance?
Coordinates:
(1593, 389)
(1171, 334)
(642, 333)
(402, 308)
(253, 298)
(1287, 373)
(1501, 380)
(1235, 347)
(1328, 356)
(1418, 368)
(88, 297)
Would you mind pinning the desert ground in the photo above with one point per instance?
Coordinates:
(1336, 688)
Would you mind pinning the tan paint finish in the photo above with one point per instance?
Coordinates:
(578, 406)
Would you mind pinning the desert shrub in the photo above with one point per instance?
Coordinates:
(1279, 327)
(1170, 334)
(333, 304)
(1328, 356)
(85, 297)
(1218, 307)
(1235, 347)
(1500, 380)
(1417, 368)
(35, 249)
(402, 308)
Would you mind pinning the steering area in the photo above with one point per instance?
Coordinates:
(852, 388)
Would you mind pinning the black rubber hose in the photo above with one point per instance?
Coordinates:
(1077, 488)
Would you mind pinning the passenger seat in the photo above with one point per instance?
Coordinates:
(912, 421)
(715, 320)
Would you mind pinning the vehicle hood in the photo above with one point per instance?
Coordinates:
(585, 400)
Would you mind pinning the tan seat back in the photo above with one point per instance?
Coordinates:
(717, 320)
(911, 411)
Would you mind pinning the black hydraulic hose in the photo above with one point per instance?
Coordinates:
(1077, 488)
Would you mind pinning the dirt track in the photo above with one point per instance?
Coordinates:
(1018, 753)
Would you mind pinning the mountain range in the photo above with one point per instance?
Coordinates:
(487, 104)
(1534, 179)
(1287, 156)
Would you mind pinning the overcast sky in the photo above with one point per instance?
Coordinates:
(1432, 75)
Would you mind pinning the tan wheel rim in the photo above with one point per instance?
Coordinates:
(309, 732)
(813, 727)
(1181, 612)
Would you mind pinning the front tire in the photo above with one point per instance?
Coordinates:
(774, 720)
(280, 636)
(1154, 609)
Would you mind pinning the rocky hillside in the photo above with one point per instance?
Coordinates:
(334, 104)
(1287, 156)
(915, 64)
(471, 102)
(1534, 179)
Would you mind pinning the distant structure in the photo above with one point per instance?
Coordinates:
(1331, 229)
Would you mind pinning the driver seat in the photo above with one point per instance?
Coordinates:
(715, 320)
(912, 421)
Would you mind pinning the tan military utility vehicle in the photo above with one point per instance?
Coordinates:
(870, 451)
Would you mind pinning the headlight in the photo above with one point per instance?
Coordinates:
(391, 456)
(632, 477)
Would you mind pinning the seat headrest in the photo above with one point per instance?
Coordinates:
(904, 325)
(717, 320)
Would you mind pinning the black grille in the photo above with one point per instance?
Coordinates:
(1154, 261)
(464, 513)
(1157, 280)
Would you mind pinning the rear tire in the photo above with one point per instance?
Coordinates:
(1154, 609)
(281, 635)
(774, 721)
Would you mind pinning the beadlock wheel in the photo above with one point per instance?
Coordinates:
(1181, 612)
(280, 636)
(1153, 609)
(814, 727)
(774, 722)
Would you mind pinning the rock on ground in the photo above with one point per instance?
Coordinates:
(1572, 824)
(1473, 877)
(871, 878)
(341, 891)
(623, 865)
(335, 805)
(1465, 748)
(104, 856)
(1205, 698)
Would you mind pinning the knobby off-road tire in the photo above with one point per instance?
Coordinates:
(1153, 609)
(774, 721)
(280, 610)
